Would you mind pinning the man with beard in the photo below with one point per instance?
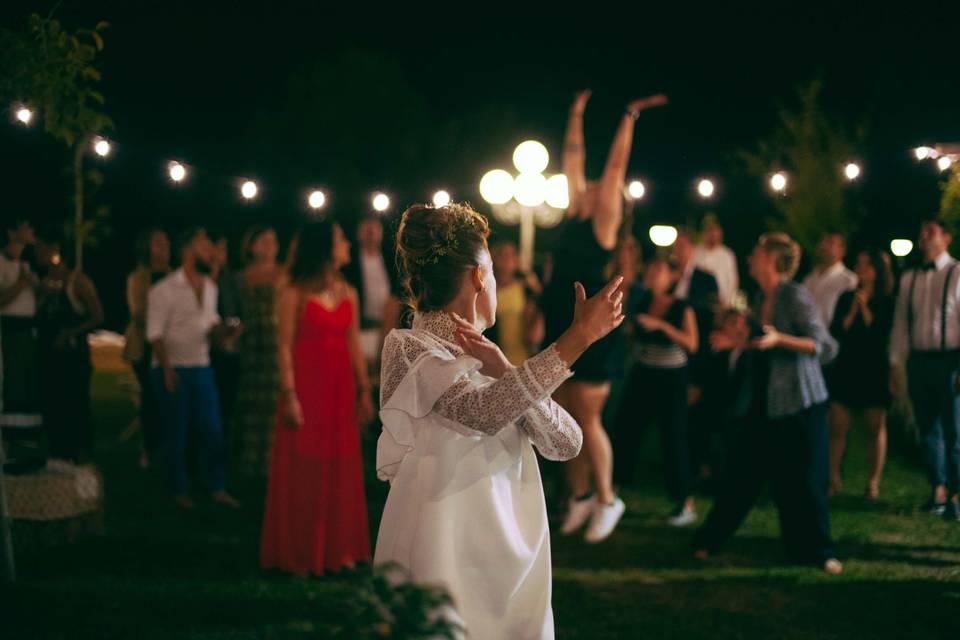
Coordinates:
(182, 321)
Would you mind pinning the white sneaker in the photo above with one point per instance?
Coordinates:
(604, 520)
(682, 518)
(578, 512)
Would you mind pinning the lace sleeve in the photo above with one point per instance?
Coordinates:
(490, 407)
(552, 430)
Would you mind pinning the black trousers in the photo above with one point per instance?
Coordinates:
(793, 454)
(66, 375)
(932, 385)
(661, 395)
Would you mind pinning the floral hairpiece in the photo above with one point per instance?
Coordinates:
(440, 248)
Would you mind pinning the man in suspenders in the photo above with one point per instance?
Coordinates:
(926, 336)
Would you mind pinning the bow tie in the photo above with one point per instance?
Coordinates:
(928, 266)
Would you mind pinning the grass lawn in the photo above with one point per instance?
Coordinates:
(161, 573)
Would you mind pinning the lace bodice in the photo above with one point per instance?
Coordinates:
(521, 396)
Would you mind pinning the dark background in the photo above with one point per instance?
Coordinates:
(353, 101)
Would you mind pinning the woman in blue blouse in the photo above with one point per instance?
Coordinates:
(784, 436)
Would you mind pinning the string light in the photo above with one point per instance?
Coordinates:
(705, 188)
(852, 171)
(778, 181)
(901, 247)
(944, 162)
(663, 235)
(317, 199)
(441, 198)
(636, 190)
(101, 147)
(177, 171)
(24, 116)
(381, 202)
(249, 189)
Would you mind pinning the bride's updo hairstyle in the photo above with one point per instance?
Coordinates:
(436, 246)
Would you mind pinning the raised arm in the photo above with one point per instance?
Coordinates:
(574, 153)
(608, 210)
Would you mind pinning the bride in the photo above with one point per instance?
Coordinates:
(466, 507)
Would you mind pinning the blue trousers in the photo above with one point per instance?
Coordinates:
(936, 406)
(195, 405)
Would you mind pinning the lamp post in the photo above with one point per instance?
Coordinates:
(530, 199)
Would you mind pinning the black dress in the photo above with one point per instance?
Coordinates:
(860, 375)
(578, 257)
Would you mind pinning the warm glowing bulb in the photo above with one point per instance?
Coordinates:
(944, 162)
(101, 147)
(558, 194)
(24, 115)
(663, 235)
(852, 171)
(705, 188)
(530, 189)
(249, 189)
(922, 153)
(531, 157)
(381, 202)
(778, 181)
(316, 199)
(901, 247)
(177, 171)
(441, 198)
(636, 190)
(496, 187)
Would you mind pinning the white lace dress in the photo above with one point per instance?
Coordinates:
(466, 507)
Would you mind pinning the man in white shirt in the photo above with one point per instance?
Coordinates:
(21, 417)
(830, 277)
(712, 256)
(372, 274)
(182, 320)
(926, 337)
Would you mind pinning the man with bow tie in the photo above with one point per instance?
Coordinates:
(926, 336)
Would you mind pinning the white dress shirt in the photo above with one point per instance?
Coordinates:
(176, 316)
(25, 304)
(376, 285)
(929, 320)
(722, 263)
(827, 286)
(682, 288)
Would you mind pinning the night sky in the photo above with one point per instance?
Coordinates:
(409, 103)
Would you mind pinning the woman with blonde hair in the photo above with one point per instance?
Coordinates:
(784, 436)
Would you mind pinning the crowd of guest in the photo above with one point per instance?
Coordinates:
(266, 370)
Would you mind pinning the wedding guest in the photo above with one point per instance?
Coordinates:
(785, 437)
(69, 309)
(182, 322)
(316, 514)
(926, 338)
(861, 325)
(153, 264)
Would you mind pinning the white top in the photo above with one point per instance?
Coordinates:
(722, 263)
(682, 287)
(25, 304)
(466, 507)
(826, 287)
(376, 285)
(928, 317)
(175, 315)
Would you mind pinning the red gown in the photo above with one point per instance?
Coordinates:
(316, 513)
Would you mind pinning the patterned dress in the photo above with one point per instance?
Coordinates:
(259, 382)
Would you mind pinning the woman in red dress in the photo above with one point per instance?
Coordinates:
(316, 514)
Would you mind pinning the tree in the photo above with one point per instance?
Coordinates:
(54, 71)
(813, 149)
(950, 196)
